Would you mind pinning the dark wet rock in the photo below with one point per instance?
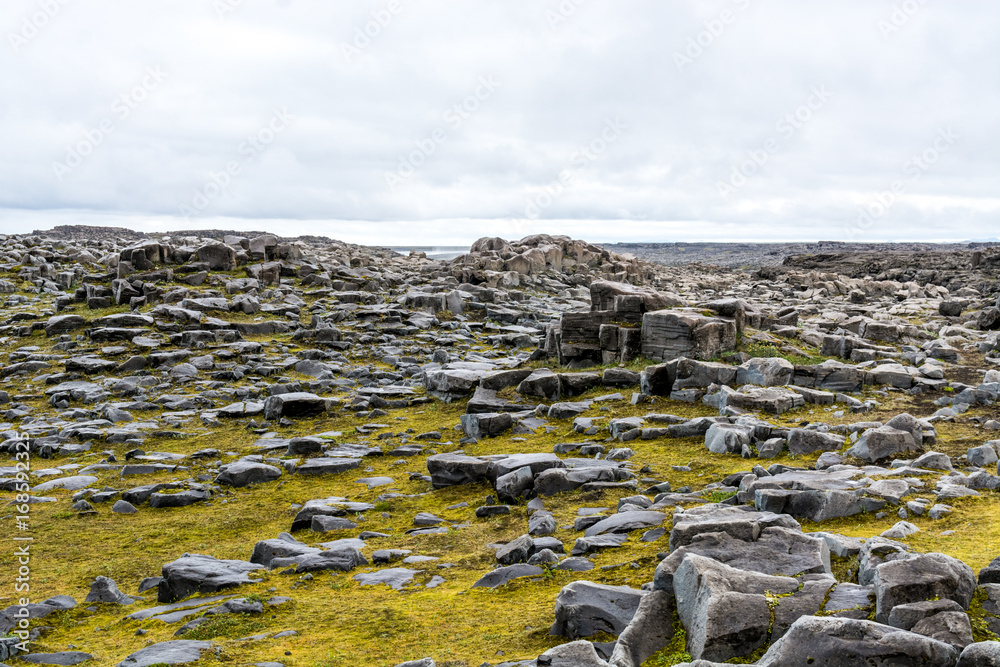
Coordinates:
(454, 469)
(246, 473)
(502, 575)
(106, 590)
(196, 573)
(294, 405)
(584, 609)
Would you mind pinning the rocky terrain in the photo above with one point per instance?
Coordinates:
(246, 450)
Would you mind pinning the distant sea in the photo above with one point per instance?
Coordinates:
(446, 252)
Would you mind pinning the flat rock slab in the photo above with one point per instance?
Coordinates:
(624, 522)
(245, 473)
(372, 482)
(166, 608)
(179, 652)
(196, 573)
(61, 658)
(326, 466)
(74, 483)
(502, 575)
(394, 577)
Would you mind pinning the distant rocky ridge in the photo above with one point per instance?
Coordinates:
(98, 233)
(754, 255)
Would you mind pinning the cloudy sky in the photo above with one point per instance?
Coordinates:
(436, 122)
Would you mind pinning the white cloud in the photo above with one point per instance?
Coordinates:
(687, 128)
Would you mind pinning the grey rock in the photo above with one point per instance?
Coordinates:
(854, 643)
(806, 441)
(649, 631)
(765, 372)
(177, 652)
(396, 578)
(981, 654)
(625, 522)
(950, 627)
(246, 473)
(197, 573)
(502, 575)
(723, 609)
(61, 658)
(106, 590)
(574, 654)
(880, 443)
(454, 469)
(921, 577)
(293, 405)
(123, 507)
(584, 608)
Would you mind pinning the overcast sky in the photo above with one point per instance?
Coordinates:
(425, 122)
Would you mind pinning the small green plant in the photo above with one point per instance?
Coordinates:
(719, 496)
(229, 626)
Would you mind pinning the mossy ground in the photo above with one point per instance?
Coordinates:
(340, 622)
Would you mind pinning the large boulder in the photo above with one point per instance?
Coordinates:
(294, 405)
(723, 609)
(806, 441)
(765, 372)
(542, 383)
(196, 573)
(876, 444)
(218, 256)
(777, 550)
(455, 469)
(246, 473)
(741, 523)
(669, 334)
(650, 630)
(921, 577)
(604, 294)
(584, 609)
(845, 642)
(728, 438)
